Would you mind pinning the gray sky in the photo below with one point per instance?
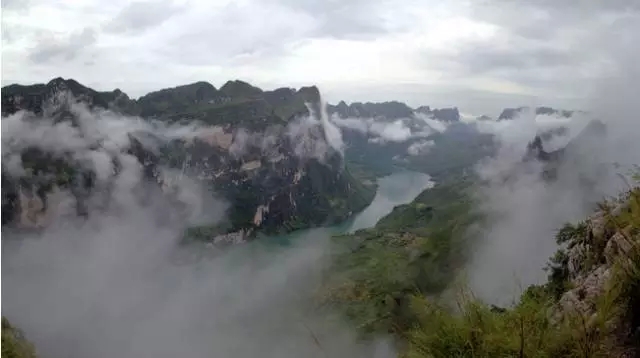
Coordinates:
(480, 55)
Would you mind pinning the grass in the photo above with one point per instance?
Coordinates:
(14, 345)
(392, 279)
(416, 249)
(537, 326)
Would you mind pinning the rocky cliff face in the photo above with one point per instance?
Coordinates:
(570, 156)
(597, 276)
(280, 180)
(263, 152)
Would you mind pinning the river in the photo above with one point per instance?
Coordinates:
(257, 300)
(393, 190)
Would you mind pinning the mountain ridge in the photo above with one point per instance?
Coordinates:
(275, 167)
(229, 93)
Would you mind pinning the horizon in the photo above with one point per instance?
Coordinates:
(478, 56)
(463, 115)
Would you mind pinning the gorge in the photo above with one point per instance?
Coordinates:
(245, 226)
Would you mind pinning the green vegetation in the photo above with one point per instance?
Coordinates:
(323, 196)
(541, 324)
(398, 278)
(178, 99)
(297, 194)
(236, 102)
(14, 345)
(366, 173)
(416, 249)
(455, 150)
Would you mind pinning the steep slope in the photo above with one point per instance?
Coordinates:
(14, 344)
(34, 98)
(399, 277)
(416, 249)
(588, 308)
(568, 155)
(171, 101)
(263, 152)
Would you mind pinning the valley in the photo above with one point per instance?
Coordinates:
(320, 179)
(194, 217)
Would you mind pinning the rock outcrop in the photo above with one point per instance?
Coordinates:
(601, 275)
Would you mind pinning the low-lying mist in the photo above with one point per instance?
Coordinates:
(117, 285)
(525, 211)
(120, 283)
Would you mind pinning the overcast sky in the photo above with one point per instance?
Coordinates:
(479, 55)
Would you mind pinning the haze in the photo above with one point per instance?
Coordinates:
(478, 55)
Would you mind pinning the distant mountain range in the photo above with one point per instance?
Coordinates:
(277, 174)
(511, 113)
(201, 100)
(252, 154)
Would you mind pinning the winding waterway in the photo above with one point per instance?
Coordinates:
(108, 298)
(393, 190)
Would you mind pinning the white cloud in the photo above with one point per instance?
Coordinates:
(357, 124)
(395, 131)
(480, 57)
(526, 212)
(381, 130)
(432, 123)
(526, 125)
(420, 147)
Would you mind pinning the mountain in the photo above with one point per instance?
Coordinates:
(178, 99)
(277, 172)
(388, 110)
(414, 250)
(391, 110)
(239, 88)
(400, 277)
(453, 151)
(593, 133)
(32, 98)
(448, 115)
(387, 136)
(511, 113)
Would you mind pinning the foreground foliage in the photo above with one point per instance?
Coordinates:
(14, 345)
(397, 278)
(545, 323)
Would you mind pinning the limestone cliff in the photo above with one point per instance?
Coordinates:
(259, 151)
